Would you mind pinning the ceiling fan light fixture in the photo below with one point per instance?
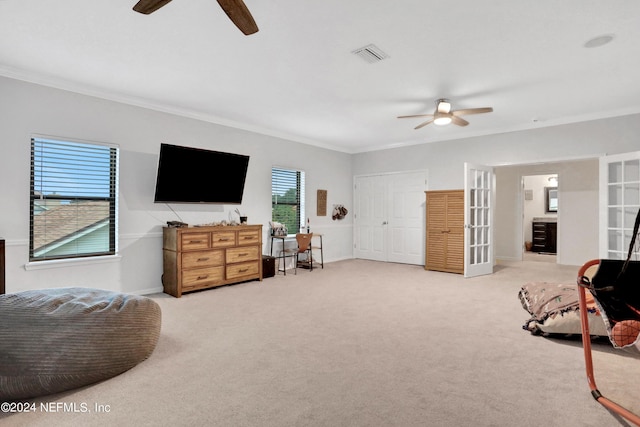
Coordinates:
(444, 115)
(443, 106)
(442, 120)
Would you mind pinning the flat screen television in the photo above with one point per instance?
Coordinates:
(195, 175)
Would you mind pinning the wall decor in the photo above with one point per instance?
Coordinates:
(321, 209)
(339, 212)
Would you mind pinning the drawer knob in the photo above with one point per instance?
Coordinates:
(203, 259)
(202, 277)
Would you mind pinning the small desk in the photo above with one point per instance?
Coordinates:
(293, 237)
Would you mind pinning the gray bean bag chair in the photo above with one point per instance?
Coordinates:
(53, 340)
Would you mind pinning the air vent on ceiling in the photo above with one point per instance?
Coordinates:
(370, 53)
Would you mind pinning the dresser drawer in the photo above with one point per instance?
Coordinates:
(223, 239)
(202, 277)
(244, 253)
(193, 241)
(242, 269)
(202, 259)
(248, 237)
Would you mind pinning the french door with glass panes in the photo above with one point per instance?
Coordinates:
(619, 203)
(479, 194)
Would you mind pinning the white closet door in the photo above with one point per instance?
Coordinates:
(370, 220)
(389, 217)
(406, 233)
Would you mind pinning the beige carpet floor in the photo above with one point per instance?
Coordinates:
(358, 343)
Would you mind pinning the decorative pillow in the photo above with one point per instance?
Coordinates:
(555, 309)
(53, 340)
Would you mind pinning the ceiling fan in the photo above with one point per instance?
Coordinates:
(443, 115)
(236, 10)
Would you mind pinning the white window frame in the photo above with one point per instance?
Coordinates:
(85, 188)
(277, 187)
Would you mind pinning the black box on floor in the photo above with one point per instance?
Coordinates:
(268, 266)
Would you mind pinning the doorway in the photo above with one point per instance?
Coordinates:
(540, 209)
(578, 209)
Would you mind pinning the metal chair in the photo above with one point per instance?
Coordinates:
(303, 246)
(586, 277)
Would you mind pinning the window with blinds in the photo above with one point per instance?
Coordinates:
(74, 188)
(287, 198)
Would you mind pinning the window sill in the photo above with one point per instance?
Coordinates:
(59, 263)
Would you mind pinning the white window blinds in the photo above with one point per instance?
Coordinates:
(73, 199)
(287, 198)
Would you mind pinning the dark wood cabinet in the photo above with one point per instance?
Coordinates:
(544, 236)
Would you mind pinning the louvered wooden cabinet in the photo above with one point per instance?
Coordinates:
(196, 258)
(445, 231)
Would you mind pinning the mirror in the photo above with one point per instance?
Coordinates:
(551, 199)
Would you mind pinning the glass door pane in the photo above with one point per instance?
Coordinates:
(620, 191)
(478, 218)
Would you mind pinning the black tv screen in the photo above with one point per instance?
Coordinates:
(195, 175)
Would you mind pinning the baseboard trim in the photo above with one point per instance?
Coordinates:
(149, 291)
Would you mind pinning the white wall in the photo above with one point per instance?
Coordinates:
(27, 109)
(445, 162)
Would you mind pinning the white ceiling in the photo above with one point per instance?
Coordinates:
(297, 78)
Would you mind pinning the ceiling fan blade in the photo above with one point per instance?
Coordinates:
(149, 6)
(414, 116)
(239, 14)
(424, 123)
(467, 111)
(458, 121)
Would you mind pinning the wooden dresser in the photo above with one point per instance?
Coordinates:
(197, 258)
(445, 231)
